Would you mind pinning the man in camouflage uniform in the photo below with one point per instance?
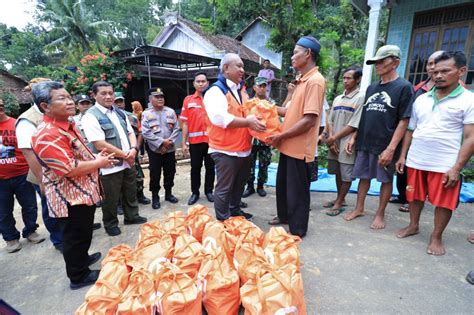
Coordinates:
(259, 149)
(120, 103)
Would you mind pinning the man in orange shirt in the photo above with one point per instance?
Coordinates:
(298, 140)
(193, 117)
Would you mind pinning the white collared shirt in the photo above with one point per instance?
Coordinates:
(217, 110)
(94, 132)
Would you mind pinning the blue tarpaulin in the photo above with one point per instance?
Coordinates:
(327, 183)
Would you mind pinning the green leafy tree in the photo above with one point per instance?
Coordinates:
(73, 24)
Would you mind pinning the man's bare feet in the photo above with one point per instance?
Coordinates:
(407, 231)
(378, 223)
(470, 238)
(354, 214)
(435, 247)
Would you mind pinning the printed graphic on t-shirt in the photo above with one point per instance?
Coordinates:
(379, 101)
(7, 147)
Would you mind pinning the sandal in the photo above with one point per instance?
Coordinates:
(276, 221)
(404, 208)
(330, 204)
(335, 212)
(396, 200)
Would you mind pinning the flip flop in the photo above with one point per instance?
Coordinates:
(470, 238)
(335, 212)
(276, 221)
(331, 204)
(404, 208)
(395, 200)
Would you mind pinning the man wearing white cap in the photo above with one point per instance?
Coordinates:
(384, 121)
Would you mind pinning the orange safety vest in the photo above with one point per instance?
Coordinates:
(230, 139)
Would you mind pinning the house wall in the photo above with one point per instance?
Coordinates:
(180, 41)
(401, 23)
(256, 38)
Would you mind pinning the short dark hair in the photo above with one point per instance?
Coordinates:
(41, 92)
(266, 60)
(357, 71)
(458, 56)
(200, 73)
(95, 87)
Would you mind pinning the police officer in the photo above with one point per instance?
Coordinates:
(120, 103)
(160, 130)
(259, 149)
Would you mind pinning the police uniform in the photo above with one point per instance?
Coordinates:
(158, 126)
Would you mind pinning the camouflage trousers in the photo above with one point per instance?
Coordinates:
(264, 155)
(140, 175)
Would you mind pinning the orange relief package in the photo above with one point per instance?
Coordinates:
(152, 256)
(187, 255)
(219, 281)
(240, 226)
(216, 232)
(114, 268)
(149, 233)
(248, 257)
(274, 292)
(176, 292)
(174, 224)
(140, 297)
(102, 298)
(268, 115)
(281, 248)
(197, 218)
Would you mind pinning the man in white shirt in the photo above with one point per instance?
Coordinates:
(439, 141)
(229, 140)
(107, 128)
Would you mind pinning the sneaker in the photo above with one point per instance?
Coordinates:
(13, 246)
(35, 238)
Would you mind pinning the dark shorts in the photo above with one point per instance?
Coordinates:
(367, 166)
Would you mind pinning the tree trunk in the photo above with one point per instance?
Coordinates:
(337, 74)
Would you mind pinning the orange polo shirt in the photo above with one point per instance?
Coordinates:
(308, 98)
(194, 114)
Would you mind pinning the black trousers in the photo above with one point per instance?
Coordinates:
(167, 162)
(402, 185)
(232, 174)
(199, 155)
(77, 237)
(292, 193)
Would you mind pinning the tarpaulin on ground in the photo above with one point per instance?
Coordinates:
(327, 183)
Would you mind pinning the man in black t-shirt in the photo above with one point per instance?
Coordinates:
(383, 123)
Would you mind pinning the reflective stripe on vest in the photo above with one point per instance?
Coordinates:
(197, 134)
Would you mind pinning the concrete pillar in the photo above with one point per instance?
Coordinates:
(371, 46)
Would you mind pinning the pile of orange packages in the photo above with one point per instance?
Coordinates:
(190, 261)
(267, 113)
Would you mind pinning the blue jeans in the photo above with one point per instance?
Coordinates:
(52, 224)
(25, 194)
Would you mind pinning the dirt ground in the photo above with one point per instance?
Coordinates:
(346, 266)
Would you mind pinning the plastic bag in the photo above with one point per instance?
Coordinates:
(174, 224)
(281, 248)
(114, 268)
(102, 298)
(248, 257)
(239, 226)
(152, 256)
(267, 113)
(188, 255)
(197, 218)
(176, 292)
(216, 233)
(140, 297)
(219, 282)
(274, 292)
(150, 233)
